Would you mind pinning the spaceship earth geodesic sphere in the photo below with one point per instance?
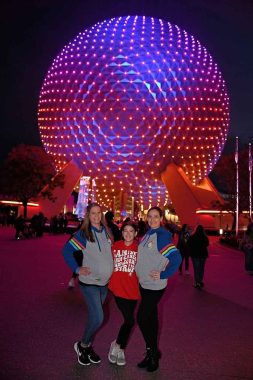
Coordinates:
(128, 96)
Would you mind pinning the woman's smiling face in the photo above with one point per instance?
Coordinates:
(95, 216)
(128, 234)
(154, 219)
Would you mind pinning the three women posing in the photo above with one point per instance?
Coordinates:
(155, 261)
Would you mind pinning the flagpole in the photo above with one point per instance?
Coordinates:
(237, 187)
(250, 183)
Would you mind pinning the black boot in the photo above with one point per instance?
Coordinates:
(153, 361)
(144, 362)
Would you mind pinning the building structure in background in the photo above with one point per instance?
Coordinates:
(135, 102)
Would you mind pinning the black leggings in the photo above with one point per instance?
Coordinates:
(126, 307)
(147, 316)
(185, 258)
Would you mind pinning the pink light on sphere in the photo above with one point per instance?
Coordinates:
(127, 97)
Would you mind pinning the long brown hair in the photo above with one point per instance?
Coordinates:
(199, 231)
(86, 225)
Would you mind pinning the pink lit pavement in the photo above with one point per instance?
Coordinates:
(205, 335)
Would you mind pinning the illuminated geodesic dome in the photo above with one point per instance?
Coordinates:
(128, 96)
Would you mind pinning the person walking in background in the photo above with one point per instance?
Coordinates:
(61, 222)
(125, 287)
(97, 266)
(157, 260)
(142, 229)
(182, 245)
(72, 280)
(54, 224)
(65, 223)
(41, 224)
(247, 248)
(114, 229)
(19, 225)
(198, 243)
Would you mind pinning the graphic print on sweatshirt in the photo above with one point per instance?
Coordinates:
(124, 260)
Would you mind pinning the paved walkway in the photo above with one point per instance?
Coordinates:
(205, 335)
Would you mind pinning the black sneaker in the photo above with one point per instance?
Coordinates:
(82, 354)
(93, 357)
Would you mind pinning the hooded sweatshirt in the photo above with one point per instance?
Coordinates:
(124, 282)
(96, 255)
(157, 252)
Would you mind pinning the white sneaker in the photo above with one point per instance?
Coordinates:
(121, 360)
(113, 352)
(71, 283)
(187, 272)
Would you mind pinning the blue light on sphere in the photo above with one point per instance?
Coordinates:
(128, 96)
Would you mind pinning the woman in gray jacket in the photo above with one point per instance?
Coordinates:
(158, 259)
(97, 266)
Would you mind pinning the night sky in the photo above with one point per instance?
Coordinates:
(34, 32)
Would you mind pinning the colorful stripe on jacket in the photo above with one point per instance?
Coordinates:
(76, 244)
(166, 251)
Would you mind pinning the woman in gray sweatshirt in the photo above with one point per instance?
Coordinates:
(94, 273)
(158, 259)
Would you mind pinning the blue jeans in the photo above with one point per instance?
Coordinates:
(199, 268)
(94, 297)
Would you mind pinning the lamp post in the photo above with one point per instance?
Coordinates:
(250, 183)
(237, 186)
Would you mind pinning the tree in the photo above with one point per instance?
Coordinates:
(224, 177)
(26, 171)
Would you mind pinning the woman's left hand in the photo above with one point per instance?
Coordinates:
(155, 274)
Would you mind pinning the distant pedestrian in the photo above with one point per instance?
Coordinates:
(61, 222)
(198, 243)
(142, 229)
(97, 265)
(113, 228)
(183, 247)
(157, 260)
(125, 288)
(247, 248)
(54, 224)
(41, 224)
(19, 225)
(65, 223)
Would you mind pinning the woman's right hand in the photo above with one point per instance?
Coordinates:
(84, 271)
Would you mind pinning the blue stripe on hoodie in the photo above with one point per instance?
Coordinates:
(68, 251)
